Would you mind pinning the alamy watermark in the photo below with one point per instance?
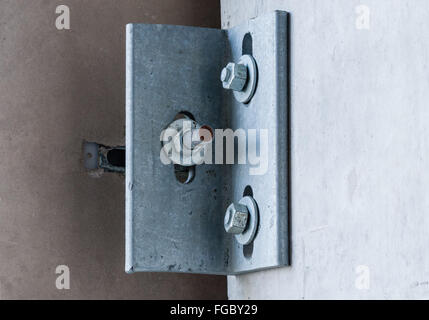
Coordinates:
(62, 282)
(62, 22)
(186, 143)
(362, 281)
(363, 21)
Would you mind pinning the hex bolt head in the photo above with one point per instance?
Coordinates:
(236, 217)
(234, 76)
(224, 76)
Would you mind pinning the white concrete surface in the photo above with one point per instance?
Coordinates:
(360, 151)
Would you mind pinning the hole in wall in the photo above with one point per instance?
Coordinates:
(247, 45)
(116, 157)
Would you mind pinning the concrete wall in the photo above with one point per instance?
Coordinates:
(360, 127)
(58, 88)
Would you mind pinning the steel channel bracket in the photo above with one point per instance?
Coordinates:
(176, 227)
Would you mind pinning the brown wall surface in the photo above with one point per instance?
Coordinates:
(57, 89)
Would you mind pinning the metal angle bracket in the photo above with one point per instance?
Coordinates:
(173, 226)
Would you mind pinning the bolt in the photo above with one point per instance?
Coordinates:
(234, 76)
(224, 76)
(236, 217)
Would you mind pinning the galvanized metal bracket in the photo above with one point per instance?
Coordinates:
(176, 227)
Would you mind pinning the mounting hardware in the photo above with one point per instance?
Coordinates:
(177, 225)
(242, 219)
(187, 138)
(241, 77)
(247, 93)
(234, 76)
(249, 233)
(98, 156)
(236, 218)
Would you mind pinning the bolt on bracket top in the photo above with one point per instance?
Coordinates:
(241, 77)
(179, 227)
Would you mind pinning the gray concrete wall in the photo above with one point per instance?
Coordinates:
(58, 88)
(360, 127)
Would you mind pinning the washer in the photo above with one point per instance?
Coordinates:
(248, 235)
(248, 91)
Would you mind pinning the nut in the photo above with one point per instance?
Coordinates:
(234, 76)
(236, 216)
